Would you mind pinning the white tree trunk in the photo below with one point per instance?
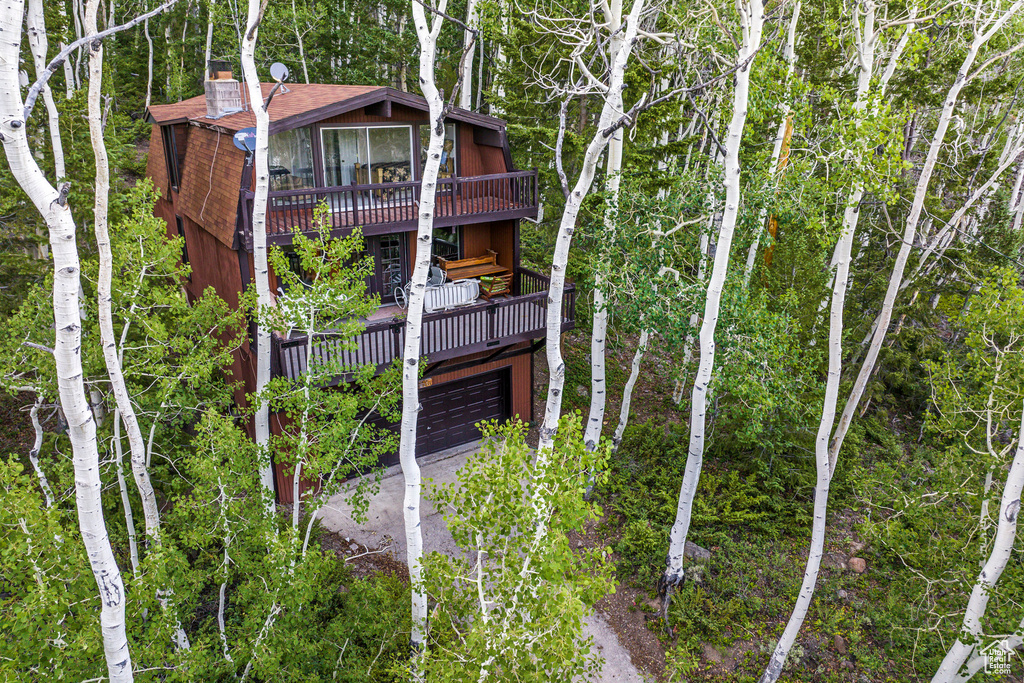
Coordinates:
(472, 22)
(599, 328)
(67, 349)
(982, 35)
(627, 392)
(1002, 548)
(148, 65)
(780, 139)
(126, 501)
(259, 245)
(751, 22)
(610, 114)
(108, 341)
(302, 45)
(37, 40)
(427, 33)
(33, 454)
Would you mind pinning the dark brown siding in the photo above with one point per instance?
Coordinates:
(165, 210)
(398, 113)
(156, 164)
(478, 159)
(521, 381)
(502, 241)
(213, 205)
(477, 239)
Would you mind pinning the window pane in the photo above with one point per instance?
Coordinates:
(390, 154)
(446, 243)
(390, 263)
(344, 156)
(447, 169)
(291, 160)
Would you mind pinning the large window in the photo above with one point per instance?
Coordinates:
(364, 156)
(447, 169)
(291, 160)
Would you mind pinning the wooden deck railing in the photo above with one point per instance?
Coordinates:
(446, 334)
(388, 207)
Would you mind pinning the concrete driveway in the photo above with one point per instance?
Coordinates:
(385, 526)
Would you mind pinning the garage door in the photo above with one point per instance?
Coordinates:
(451, 411)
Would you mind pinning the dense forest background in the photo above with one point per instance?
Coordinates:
(919, 501)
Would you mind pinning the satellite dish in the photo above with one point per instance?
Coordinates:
(279, 72)
(245, 139)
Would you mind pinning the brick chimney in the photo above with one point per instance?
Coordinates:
(222, 94)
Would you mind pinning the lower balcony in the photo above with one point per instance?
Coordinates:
(393, 207)
(477, 327)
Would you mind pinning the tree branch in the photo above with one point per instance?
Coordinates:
(55, 63)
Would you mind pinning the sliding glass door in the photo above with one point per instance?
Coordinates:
(369, 155)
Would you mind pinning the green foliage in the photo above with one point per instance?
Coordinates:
(517, 613)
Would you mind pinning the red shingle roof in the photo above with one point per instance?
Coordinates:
(299, 99)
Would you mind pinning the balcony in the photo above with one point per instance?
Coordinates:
(446, 334)
(392, 207)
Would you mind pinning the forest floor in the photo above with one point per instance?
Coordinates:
(736, 604)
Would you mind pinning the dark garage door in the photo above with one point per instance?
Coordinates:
(451, 411)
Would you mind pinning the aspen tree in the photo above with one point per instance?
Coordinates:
(599, 328)
(866, 37)
(1002, 548)
(53, 206)
(427, 33)
(751, 16)
(608, 122)
(986, 26)
(259, 242)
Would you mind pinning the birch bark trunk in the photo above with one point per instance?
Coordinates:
(1002, 548)
(33, 454)
(259, 245)
(599, 329)
(751, 14)
(39, 44)
(427, 33)
(136, 442)
(981, 36)
(556, 291)
(52, 206)
(466, 95)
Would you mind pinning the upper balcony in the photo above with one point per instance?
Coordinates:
(449, 334)
(392, 207)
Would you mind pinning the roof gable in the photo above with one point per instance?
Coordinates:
(302, 104)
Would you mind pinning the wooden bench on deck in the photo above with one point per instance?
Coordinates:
(500, 283)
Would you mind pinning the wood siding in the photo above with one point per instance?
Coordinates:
(156, 164)
(521, 381)
(477, 159)
(399, 113)
(212, 205)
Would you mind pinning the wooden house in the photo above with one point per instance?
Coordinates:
(360, 149)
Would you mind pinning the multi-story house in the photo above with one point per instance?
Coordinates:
(360, 150)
